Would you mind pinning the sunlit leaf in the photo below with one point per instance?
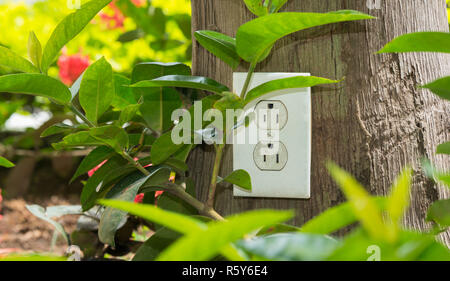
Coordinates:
(68, 28)
(37, 85)
(5, 163)
(34, 49)
(419, 42)
(204, 244)
(256, 37)
(286, 83)
(440, 87)
(240, 178)
(12, 60)
(256, 7)
(97, 89)
(399, 198)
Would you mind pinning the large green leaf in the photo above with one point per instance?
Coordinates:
(177, 222)
(12, 60)
(183, 81)
(68, 28)
(34, 50)
(221, 45)
(97, 89)
(440, 87)
(439, 212)
(112, 219)
(419, 42)
(163, 148)
(240, 178)
(61, 128)
(256, 37)
(335, 218)
(156, 244)
(92, 160)
(443, 148)
(362, 204)
(286, 83)
(290, 247)
(36, 84)
(5, 163)
(204, 244)
(276, 5)
(399, 199)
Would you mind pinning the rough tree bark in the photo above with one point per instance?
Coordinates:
(373, 124)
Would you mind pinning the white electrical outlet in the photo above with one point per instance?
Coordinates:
(275, 147)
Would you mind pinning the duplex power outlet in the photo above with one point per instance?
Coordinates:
(275, 146)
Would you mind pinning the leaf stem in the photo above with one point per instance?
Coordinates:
(216, 168)
(247, 80)
(81, 115)
(135, 163)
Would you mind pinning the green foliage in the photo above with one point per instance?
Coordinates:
(443, 148)
(34, 50)
(97, 89)
(68, 28)
(419, 42)
(6, 163)
(13, 61)
(240, 178)
(439, 212)
(36, 84)
(440, 87)
(221, 45)
(255, 38)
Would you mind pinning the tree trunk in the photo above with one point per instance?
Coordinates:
(373, 124)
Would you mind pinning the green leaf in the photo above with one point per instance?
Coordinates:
(229, 101)
(362, 204)
(156, 244)
(399, 199)
(68, 28)
(79, 139)
(184, 24)
(221, 45)
(290, 247)
(97, 89)
(123, 94)
(419, 42)
(443, 148)
(172, 220)
(276, 5)
(439, 212)
(337, 217)
(12, 60)
(112, 219)
(204, 244)
(97, 185)
(440, 87)
(128, 113)
(178, 164)
(39, 212)
(6, 163)
(163, 148)
(92, 160)
(62, 128)
(286, 83)
(62, 210)
(36, 84)
(183, 81)
(113, 136)
(256, 37)
(256, 7)
(158, 103)
(434, 174)
(34, 49)
(240, 178)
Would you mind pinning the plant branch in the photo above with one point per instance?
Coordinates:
(216, 168)
(135, 163)
(247, 80)
(81, 115)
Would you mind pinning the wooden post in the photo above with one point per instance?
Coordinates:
(373, 124)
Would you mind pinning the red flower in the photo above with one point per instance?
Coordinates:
(71, 66)
(92, 171)
(114, 19)
(139, 198)
(138, 3)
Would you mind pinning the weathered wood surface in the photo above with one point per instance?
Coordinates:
(373, 124)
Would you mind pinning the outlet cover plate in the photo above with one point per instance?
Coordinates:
(293, 181)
